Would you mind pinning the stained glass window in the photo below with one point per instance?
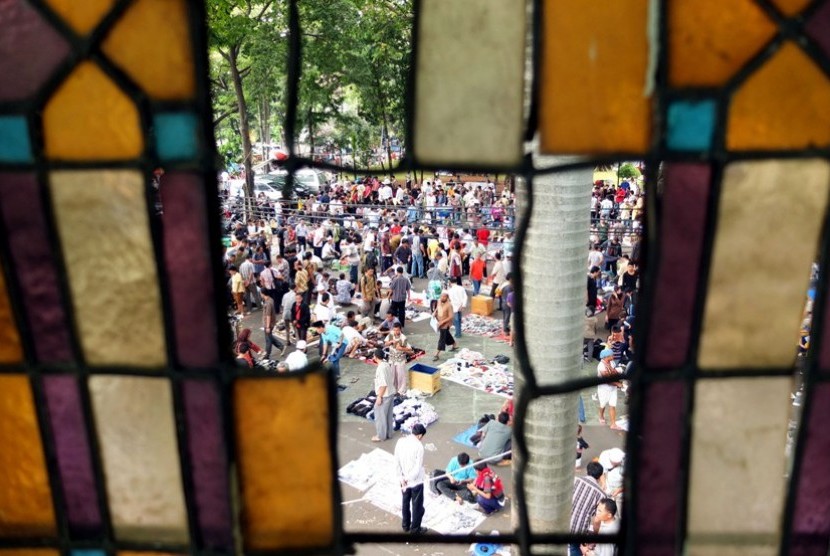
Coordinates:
(126, 428)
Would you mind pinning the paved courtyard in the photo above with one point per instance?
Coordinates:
(458, 408)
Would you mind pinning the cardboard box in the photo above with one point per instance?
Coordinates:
(482, 305)
(424, 378)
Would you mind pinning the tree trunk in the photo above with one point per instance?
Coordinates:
(553, 298)
(310, 134)
(265, 126)
(244, 129)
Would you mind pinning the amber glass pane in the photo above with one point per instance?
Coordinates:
(469, 105)
(758, 287)
(137, 435)
(283, 429)
(90, 118)
(791, 7)
(737, 483)
(81, 16)
(152, 44)
(111, 267)
(594, 75)
(10, 349)
(709, 41)
(25, 496)
(783, 105)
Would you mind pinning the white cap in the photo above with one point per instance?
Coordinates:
(301, 344)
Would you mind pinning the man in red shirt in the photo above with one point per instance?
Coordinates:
(477, 272)
(483, 235)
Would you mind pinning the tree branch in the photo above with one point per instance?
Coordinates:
(222, 116)
(264, 9)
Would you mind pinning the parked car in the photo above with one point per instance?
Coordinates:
(306, 180)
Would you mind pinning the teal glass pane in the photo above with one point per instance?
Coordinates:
(14, 140)
(176, 134)
(691, 125)
(88, 553)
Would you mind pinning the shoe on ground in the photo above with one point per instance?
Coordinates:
(418, 531)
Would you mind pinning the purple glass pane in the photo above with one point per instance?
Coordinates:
(681, 237)
(210, 469)
(818, 28)
(30, 50)
(32, 252)
(660, 469)
(189, 273)
(72, 450)
(811, 518)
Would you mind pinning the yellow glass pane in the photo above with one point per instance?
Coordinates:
(90, 118)
(151, 43)
(81, 15)
(104, 229)
(282, 430)
(783, 105)
(25, 496)
(709, 40)
(137, 435)
(10, 348)
(469, 105)
(791, 7)
(594, 75)
(757, 285)
(737, 483)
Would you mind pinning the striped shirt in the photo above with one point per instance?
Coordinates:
(587, 494)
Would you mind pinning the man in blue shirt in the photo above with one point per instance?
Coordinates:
(332, 344)
(459, 474)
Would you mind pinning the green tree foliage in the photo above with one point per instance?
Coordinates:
(355, 64)
(246, 41)
(628, 171)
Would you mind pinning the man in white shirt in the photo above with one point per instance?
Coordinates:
(409, 463)
(318, 239)
(297, 360)
(605, 522)
(458, 300)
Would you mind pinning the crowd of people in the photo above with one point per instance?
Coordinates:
(342, 262)
(303, 273)
(472, 204)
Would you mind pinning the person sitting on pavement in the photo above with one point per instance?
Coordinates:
(487, 488)
(496, 438)
(354, 339)
(244, 348)
(297, 360)
(456, 477)
(388, 324)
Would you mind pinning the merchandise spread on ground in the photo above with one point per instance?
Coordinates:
(472, 369)
(374, 475)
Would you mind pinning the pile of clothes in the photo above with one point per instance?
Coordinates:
(472, 369)
(482, 326)
(406, 411)
(366, 352)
